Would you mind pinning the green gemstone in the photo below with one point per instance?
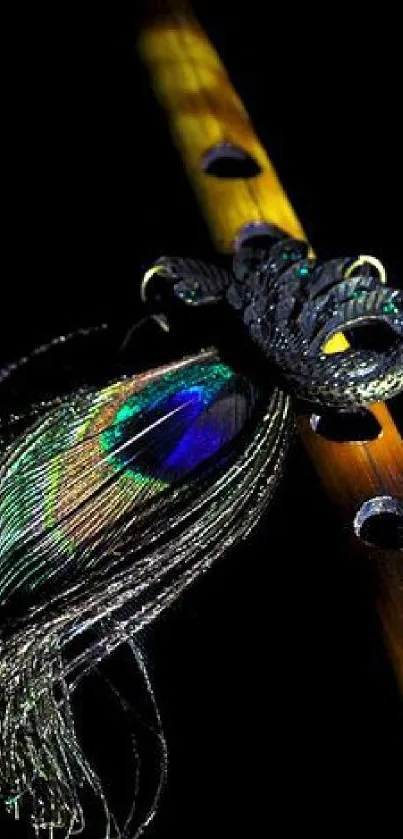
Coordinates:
(11, 801)
(303, 271)
(390, 309)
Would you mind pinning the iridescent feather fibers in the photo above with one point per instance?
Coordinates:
(111, 503)
(115, 498)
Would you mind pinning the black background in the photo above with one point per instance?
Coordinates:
(279, 706)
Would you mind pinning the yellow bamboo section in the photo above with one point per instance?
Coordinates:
(204, 111)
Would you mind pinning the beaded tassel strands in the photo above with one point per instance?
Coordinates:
(112, 501)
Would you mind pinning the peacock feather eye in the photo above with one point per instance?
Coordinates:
(100, 455)
(182, 400)
(112, 502)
